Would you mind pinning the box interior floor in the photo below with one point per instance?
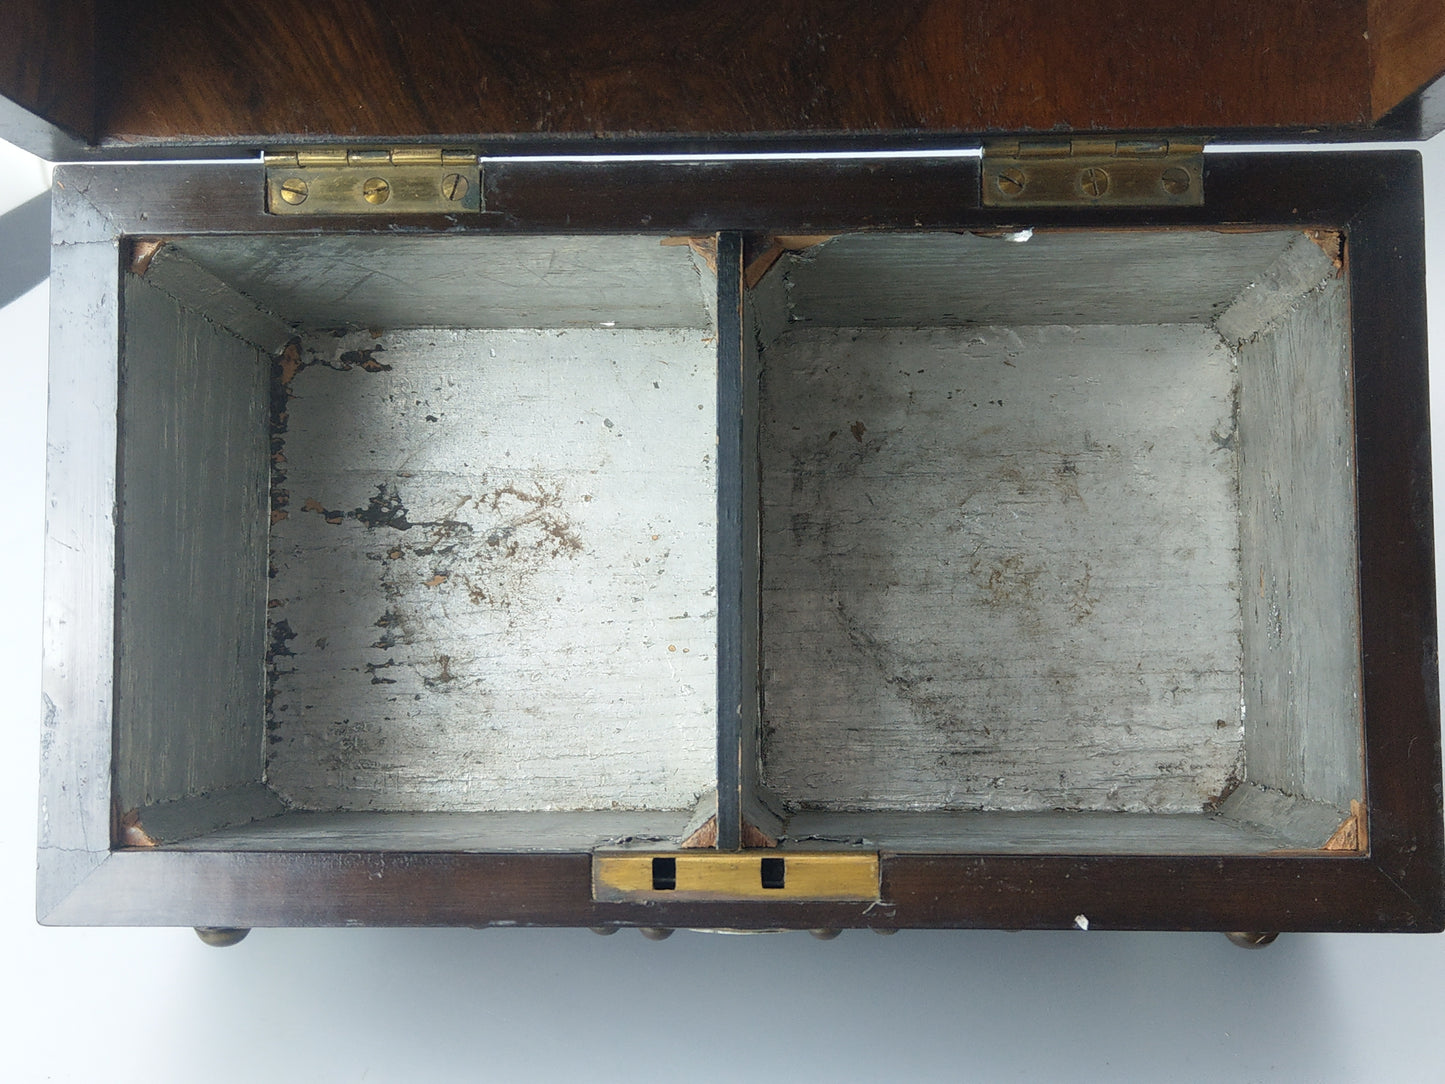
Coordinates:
(1056, 543)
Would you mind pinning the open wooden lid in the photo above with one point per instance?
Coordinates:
(156, 78)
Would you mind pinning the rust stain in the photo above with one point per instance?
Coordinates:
(444, 676)
(331, 515)
(362, 359)
(437, 580)
(277, 516)
(858, 429)
(290, 363)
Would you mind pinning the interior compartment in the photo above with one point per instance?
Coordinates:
(1048, 543)
(454, 503)
(1058, 546)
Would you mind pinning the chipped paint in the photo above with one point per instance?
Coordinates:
(497, 535)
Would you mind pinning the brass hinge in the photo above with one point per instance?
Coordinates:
(1093, 172)
(399, 180)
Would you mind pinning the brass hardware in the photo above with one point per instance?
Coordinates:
(294, 190)
(375, 190)
(454, 187)
(346, 181)
(619, 876)
(1093, 172)
(222, 936)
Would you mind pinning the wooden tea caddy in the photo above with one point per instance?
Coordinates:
(559, 465)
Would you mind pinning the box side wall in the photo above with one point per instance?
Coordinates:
(1299, 553)
(192, 563)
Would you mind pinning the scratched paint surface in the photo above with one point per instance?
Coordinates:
(1000, 569)
(493, 571)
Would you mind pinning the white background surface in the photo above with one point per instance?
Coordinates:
(421, 1005)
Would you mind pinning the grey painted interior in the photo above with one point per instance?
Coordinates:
(1299, 559)
(202, 292)
(459, 281)
(975, 832)
(495, 573)
(1001, 595)
(1002, 531)
(1000, 569)
(449, 832)
(1055, 277)
(1301, 821)
(187, 818)
(190, 689)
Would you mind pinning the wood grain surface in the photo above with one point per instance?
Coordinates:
(241, 71)
(47, 61)
(1407, 49)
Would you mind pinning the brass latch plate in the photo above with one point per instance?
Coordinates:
(399, 180)
(836, 876)
(1098, 172)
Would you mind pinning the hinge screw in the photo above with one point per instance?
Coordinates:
(375, 190)
(1094, 182)
(454, 186)
(294, 190)
(1011, 181)
(1175, 180)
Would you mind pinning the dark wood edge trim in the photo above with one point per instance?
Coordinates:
(1421, 116)
(813, 196)
(1405, 121)
(157, 887)
(1400, 668)
(732, 680)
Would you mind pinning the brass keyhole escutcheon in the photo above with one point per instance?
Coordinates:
(375, 190)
